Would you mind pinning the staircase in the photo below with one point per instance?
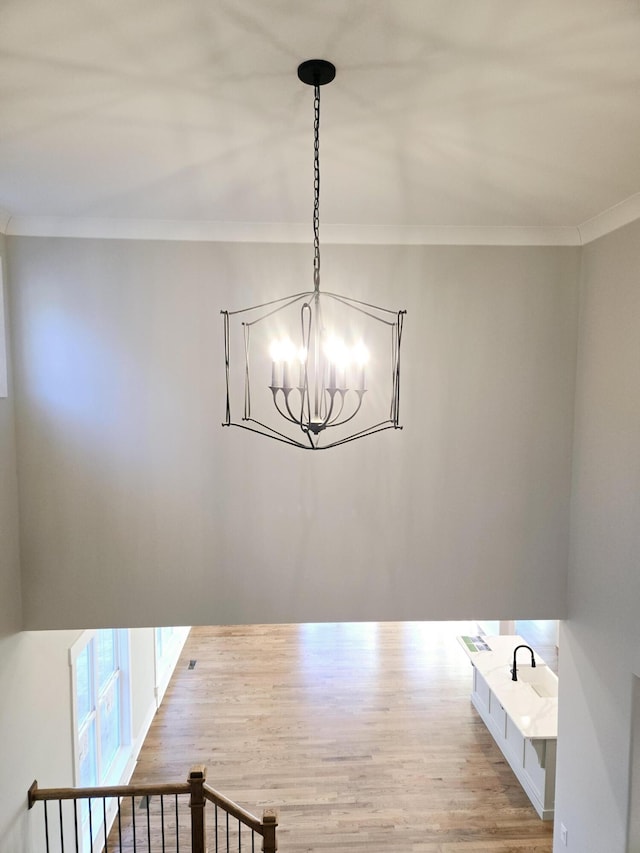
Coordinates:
(189, 816)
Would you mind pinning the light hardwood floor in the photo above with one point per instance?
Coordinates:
(363, 736)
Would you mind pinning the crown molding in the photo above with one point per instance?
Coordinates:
(266, 232)
(615, 217)
(158, 229)
(450, 236)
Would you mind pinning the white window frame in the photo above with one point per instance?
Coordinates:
(121, 767)
(165, 663)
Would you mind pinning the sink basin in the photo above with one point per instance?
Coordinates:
(540, 678)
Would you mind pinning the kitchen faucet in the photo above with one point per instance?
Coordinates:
(514, 671)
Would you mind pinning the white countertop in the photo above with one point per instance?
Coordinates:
(535, 716)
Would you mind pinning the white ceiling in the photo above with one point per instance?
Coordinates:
(443, 115)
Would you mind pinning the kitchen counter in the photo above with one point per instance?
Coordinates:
(521, 715)
(536, 716)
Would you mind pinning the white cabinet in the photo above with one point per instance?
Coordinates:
(481, 690)
(532, 760)
(498, 715)
(522, 720)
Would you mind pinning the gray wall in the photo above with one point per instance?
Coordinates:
(35, 681)
(137, 508)
(35, 729)
(600, 642)
(36, 723)
(10, 598)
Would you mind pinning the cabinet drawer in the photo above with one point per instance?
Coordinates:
(481, 689)
(498, 715)
(515, 741)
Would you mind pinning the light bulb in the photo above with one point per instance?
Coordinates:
(360, 354)
(275, 351)
(337, 351)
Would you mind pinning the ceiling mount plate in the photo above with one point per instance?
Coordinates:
(316, 72)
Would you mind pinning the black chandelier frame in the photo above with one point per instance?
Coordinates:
(317, 401)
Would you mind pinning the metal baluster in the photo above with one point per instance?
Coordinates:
(162, 819)
(133, 822)
(75, 824)
(239, 836)
(104, 824)
(119, 825)
(61, 828)
(177, 827)
(227, 814)
(148, 826)
(46, 826)
(90, 825)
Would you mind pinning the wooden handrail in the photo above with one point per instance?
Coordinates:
(35, 793)
(234, 809)
(195, 786)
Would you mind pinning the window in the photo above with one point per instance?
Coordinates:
(100, 677)
(169, 643)
(164, 637)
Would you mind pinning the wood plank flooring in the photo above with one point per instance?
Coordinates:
(363, 737)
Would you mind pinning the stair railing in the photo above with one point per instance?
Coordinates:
(161, 827)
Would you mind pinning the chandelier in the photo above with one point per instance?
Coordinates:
(314, 369)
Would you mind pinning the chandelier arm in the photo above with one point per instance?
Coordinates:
(353, 303)
(394, 372)
(305, 312)
(397, 338)
(336, 422)
(363, 434)
(368, 431)
(273, 433)
(225, 320)
(345, 300)
(247, 382)
(329, 408)
(288, 415)
(293, 418)
(331, 421)
(285, 439)
(318, 365)
(290, 300)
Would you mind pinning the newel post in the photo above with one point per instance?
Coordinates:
(197, 776)
(269, 824)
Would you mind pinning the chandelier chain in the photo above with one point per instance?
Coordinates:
(316, 190)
